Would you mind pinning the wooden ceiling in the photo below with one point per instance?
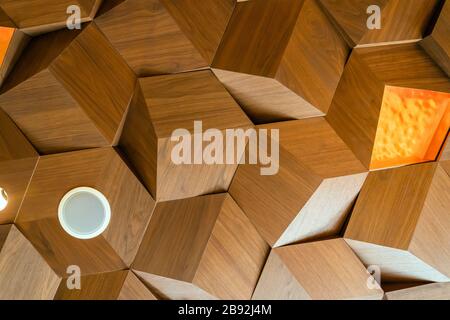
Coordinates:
(364, 154)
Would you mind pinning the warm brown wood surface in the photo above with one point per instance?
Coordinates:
(355, 110)
(399, 223)
(326, 270)
(195, 247)
(401, 21)
(435, 291)
(157, 44)
(47, 15)
(27, 276)
(316, 168)
(174, 102)
(276, 80)
(131, 208)
(437, 44)
(83, 91)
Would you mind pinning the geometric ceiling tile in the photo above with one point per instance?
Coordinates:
(42, 211)
(12, 42)
(164, 104)
(392, 106)
(24, 274)
(37, 17)
(401, 222)
(281, 59)
(437, 44)
(201, 248)
(83, 87)
(434, 291)
(400, 20)
(165, 36)
(326, 270)
(17, 162)
(445, 153)
(314, 190)
(118, 285)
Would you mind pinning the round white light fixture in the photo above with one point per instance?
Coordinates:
(84, 213)
(3, 199)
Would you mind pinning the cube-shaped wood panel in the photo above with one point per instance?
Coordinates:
(102, 169)
(201, 248)
(164, 105)
(400, 223)
(433, 291)
(118, 285)
(281, 59)
(37, 17)
(83, 87)
(312, 193)
(399, 20)
(17, 162)
(392, 106)
(165, 36)
(326, 270)
(12, 42)
(24, 274)
(437, 44)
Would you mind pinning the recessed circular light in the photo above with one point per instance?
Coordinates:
(84, 213)
(3, 199)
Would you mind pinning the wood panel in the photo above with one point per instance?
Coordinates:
(27, 276)
(399, 222)
(119, 285)
(17, 162)
(198, 247)
(103, 170)
(316, 168)
(81, 107)
(326, 270)
(48, 15)
(437, 44)
(156, 45)
(401, 21)
(13, 50)
(248, 59)
(435, 291)
(355, 110)
(174, 102)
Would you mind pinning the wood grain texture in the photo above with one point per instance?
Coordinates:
(437, 44)
(44, 16)
(164, 104)
(289, 83)
(26, 276)
(203, 24)
(355, 110)
(17, 162)
(326, 270)
(84, 91)
(18, 42)
(434, 291)
(445, 153)
(400, 20)
(399, 222)
(157, 44)
(119, 285)
(316, 169)
(102, 169)
(187, 248)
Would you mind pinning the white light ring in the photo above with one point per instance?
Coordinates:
(103, 201)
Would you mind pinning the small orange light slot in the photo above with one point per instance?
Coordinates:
(6, 35)
(412, 128)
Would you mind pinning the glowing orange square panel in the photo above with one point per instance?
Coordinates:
(412, 128)
(6, 35)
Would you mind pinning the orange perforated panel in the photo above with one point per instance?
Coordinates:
(412, 127)
(6, 35)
